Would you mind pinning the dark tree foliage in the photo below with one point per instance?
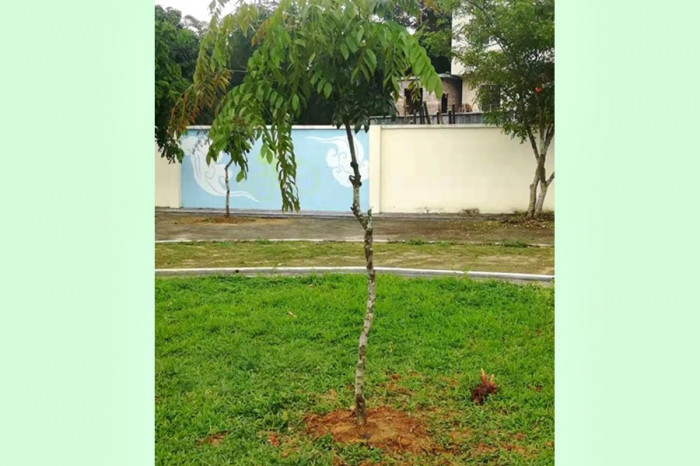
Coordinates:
(176, 50)
(432, 26)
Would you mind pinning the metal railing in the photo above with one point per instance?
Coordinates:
(449, 118)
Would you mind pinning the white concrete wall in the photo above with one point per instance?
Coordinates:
(450, 168)
(167, 182)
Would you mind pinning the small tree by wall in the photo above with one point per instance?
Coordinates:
(510, 54)
(217, 64)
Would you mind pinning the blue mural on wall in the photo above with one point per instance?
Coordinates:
(323, 167)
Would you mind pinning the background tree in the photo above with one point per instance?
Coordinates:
(176, 50)
(220, 67)
(336, 51)
(431, 23)
(510, 52)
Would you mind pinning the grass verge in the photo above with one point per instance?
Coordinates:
(509, 257)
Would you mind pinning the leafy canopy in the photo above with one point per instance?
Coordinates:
(510, 48)
(338, 51)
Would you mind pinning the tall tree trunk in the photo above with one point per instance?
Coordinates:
(228, 188)
(366, 222)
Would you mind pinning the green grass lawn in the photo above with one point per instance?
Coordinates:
(511, 257)
(241, 361)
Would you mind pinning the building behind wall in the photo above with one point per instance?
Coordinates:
(451, 98)
(469, 93)
(459, 95)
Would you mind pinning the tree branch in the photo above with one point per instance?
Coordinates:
(548, 138)
(533, 143)
(549, 180)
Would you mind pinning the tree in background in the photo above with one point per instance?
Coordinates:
(510, 50)
(335, 51)
(176, 49)
(434, 33)
(431, 23)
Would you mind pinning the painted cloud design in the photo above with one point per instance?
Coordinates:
(338, 159)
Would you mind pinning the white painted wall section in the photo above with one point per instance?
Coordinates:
(167, 182)
(451, 168)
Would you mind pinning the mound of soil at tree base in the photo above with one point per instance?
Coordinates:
(386, 428)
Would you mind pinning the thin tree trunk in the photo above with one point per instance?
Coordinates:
(537, 200)
(228, 188)
(366, 222)
(533, 195)
(546, 136)
(544, 185)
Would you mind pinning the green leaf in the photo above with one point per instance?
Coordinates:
(240, 176)
(372, 59)
(352, 44)
(327, 89)
(295, 102)
(344, 51)
(414, 54)
(365, 72)
(419, 68)
(266, 152)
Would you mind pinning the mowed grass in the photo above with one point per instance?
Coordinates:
(241, 360)
(509, 257)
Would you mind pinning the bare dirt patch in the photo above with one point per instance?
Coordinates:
(273, 439)
(519, 449)
(484, 228)
(459, 436)
(545, 220)
(213, 439)
(387, 428)
(481, 449)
